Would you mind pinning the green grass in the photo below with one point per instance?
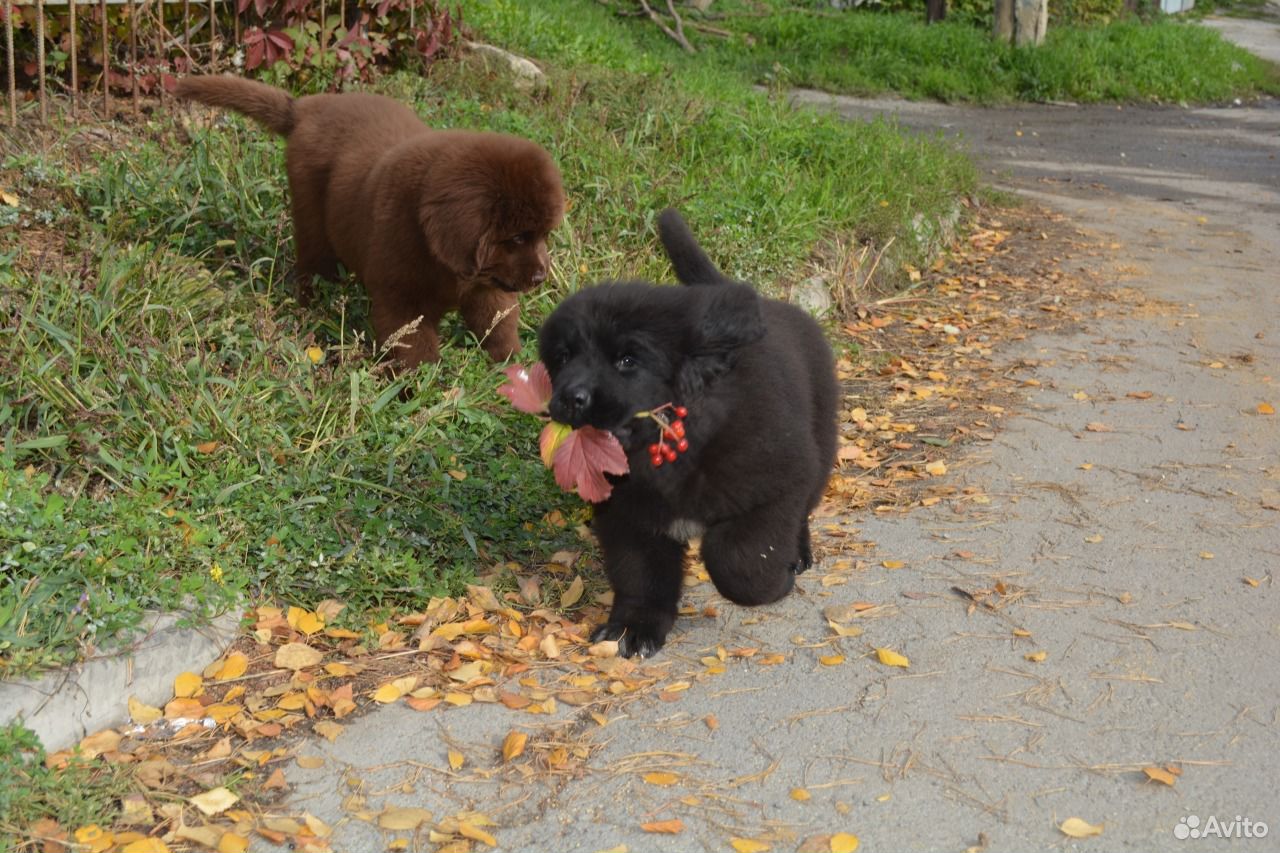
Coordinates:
(166, 442)
(865, 53)
(80, 794)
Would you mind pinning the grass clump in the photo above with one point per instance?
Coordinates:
(80, 794)
(864, 53)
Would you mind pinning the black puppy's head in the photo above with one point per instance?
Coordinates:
(617, 349)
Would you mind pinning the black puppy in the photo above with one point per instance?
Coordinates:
(757, 378)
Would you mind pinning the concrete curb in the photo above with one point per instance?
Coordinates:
(65, 705)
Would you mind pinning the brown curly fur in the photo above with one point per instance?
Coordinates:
(431, 221)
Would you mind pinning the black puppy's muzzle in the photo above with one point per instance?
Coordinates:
(572, 404)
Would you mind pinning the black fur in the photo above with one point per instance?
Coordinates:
(757, 378)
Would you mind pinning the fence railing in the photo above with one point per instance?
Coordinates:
(128, 48)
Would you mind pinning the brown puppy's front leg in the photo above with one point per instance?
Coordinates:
(412, 332)
(493, 316)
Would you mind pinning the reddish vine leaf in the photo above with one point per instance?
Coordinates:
(529, 388)
(582, 460)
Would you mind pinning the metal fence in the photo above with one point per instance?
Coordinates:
(194, 34)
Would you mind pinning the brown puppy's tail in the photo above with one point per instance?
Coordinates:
(265, 104)
(691, 264)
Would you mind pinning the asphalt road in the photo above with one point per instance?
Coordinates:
(1159, 651)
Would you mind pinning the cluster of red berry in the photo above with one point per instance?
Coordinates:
(661, 451)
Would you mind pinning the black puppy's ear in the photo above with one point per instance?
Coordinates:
(731, 319)
(691, 264)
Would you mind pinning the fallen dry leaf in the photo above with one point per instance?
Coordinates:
(844, 842)
(475, 833)
(143, 713)
(1266, 409)
(572, 593)
(748, 845)
(664, 827)
(1036, 657)
(661, 779)
(1077, 828)
(214, 801)
(889, 657)
(297, 656)
(1159, 774)
(187, 684)
(513, 745)
(800, 795)
(402, 818)
(456, 759)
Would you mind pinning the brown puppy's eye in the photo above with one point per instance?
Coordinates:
(521, 238)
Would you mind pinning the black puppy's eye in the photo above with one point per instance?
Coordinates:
(626, 363)
(560, 358)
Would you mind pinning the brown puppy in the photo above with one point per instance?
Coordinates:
(430, 220)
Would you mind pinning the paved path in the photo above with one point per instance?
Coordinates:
(1158, 650)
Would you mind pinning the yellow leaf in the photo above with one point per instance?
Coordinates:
(831, 660)
(513, 745)
(661, 779)
(621, 848)
(475, 833)
(572, 593)
(936, 469)
(329, 730)
(748, 845)
(305, 621)
(206, 447)
(230, 842)
(1086, 466)
(1159, 774)
(387, 693)
(456, 759)
(297, 656)
(1036, 657)
(314, 354)
(235, 666)
(844, 630)
(214, 801)
(94, 838)
(8, 198)
(457, 699)
(1266, 409)
(1021, 632)
(1094, 539)
(143, 713)
(146, 845)
(403, 818)
(665, 827)
(187, 684)
(338, 669)
(889, 657)
(310, 762)
(843, 842)
(801, 795)
(1206, 555)
(1077, 828)
(892, 564)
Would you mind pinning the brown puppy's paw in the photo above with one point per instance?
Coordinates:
(636, 638)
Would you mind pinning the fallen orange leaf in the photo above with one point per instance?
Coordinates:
(665, 827)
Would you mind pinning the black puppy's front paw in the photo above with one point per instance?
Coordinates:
(636, 638)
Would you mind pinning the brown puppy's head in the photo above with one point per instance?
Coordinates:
(488, 207)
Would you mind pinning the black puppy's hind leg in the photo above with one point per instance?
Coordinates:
(646, 573)
(753, 559)
(805, 562)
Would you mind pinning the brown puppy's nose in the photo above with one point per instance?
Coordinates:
(539, 275)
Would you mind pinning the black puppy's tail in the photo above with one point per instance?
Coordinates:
(691, 264)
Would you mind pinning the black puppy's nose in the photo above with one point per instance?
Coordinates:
(574, 402)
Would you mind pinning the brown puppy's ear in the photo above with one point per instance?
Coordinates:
(731, 319)
(457, 232)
